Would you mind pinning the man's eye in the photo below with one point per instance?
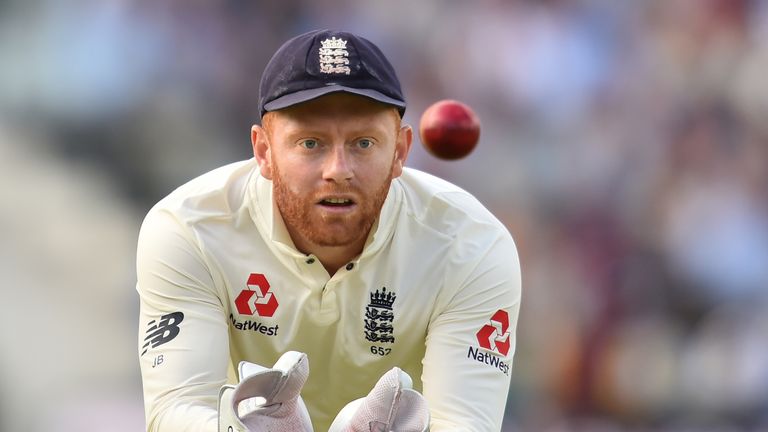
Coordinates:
(309, 144)
(365, 143)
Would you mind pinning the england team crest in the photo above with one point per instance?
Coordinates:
(334, 57)
(379, 317)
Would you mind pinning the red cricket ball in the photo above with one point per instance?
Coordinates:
(449, 129)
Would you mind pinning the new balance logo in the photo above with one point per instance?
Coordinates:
(162, 332)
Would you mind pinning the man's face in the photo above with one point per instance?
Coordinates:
(331, 161)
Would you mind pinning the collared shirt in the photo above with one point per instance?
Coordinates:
(435, 291)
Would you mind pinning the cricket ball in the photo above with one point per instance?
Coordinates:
(449, 129)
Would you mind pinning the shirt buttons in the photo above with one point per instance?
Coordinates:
(310, 261)
(350, 266)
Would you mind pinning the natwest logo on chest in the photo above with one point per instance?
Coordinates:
(256, 298)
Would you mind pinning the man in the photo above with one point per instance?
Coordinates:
(324, 255)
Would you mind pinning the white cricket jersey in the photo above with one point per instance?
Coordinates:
(436, 292)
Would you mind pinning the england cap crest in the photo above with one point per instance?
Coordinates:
(324, 61)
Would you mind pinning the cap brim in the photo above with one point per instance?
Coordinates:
(307, 95)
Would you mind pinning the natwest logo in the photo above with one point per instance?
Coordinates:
(256, 298)
(494, 336)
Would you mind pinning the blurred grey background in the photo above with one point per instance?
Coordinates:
(624, 144)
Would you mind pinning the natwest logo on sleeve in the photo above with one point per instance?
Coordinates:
(256, 298)
(493, 337)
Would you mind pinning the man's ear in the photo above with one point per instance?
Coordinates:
(402, 148)
(261, 150)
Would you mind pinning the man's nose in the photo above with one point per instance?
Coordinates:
(338, 165)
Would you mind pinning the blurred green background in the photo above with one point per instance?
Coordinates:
(624, 144)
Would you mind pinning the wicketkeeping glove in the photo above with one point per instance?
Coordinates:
(392, 405)
(267, 400)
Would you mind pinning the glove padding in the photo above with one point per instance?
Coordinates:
(392, 405)
(267, 400)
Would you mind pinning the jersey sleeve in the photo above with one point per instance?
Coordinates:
(471, 337)
(183, 335)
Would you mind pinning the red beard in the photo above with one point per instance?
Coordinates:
(301, 215)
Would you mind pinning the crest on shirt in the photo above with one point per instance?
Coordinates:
(334, 57)
(379, 316)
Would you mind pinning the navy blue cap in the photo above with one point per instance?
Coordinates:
(325, 61)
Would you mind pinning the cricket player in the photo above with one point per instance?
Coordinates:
(321, 284)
